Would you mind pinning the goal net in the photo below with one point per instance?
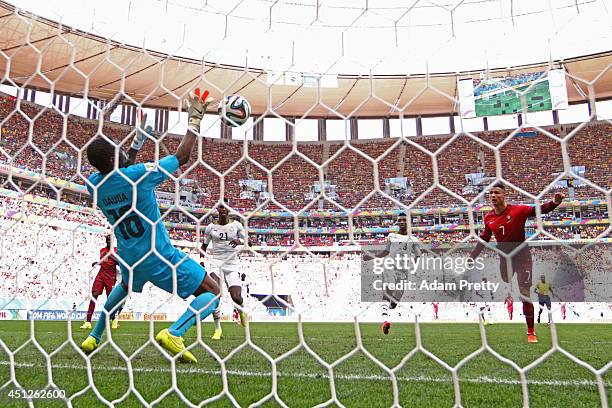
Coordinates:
(362, 133)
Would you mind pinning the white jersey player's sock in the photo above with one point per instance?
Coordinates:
(482, 314)
(217, 316)
(384, 309)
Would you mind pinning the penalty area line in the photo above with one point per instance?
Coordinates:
(353, 377)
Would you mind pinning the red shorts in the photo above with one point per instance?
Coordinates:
(103, 281)
(522, 266)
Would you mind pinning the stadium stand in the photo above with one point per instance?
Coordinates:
(349, 170)
(347, 167)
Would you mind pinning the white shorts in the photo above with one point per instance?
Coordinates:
(394, 276)
(229, 270)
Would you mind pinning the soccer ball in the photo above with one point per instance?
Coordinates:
(234, 110)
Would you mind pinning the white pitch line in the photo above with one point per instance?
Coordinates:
(353, 377)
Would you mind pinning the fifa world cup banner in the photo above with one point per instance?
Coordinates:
(59, 315)
(542, 271)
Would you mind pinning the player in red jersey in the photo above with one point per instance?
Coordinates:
(105, 280)
(507, 223)
(435, 309)
(563, 310)
(509, 302)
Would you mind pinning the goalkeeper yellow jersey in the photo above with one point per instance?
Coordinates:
(543, 288)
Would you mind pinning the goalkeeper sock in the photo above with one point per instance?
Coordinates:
(115, 297)
(528, 312)
(217, 317)
(206, 303)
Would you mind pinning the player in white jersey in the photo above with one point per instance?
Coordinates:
(245, 285)
(397, 243)
(245, 294)
(485, 300)
(227, 238)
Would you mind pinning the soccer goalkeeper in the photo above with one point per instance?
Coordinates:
(125, 195)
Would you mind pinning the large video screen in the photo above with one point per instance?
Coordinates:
(397, 183)
(253, 185)
(502, 95)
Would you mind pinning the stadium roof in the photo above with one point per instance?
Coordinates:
(404, 53)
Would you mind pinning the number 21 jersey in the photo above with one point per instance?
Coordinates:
(221, 236)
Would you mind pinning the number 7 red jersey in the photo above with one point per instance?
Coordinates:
(509, 226)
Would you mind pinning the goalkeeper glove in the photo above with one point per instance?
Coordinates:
(196, 106)
(141, 135)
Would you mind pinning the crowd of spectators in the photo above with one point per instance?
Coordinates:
(432, 236)
(350, 170)
(48, 138)
(183, 227)
(38, 261)
(17, 207)
(581, 232)
(530, 163)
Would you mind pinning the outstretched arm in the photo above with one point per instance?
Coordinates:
(196, 106)
(112, 105)
(139, 139)
(550, 205)
(141, 136)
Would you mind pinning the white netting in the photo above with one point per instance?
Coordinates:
(297, 200)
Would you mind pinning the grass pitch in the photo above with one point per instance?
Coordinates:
(302, 381)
